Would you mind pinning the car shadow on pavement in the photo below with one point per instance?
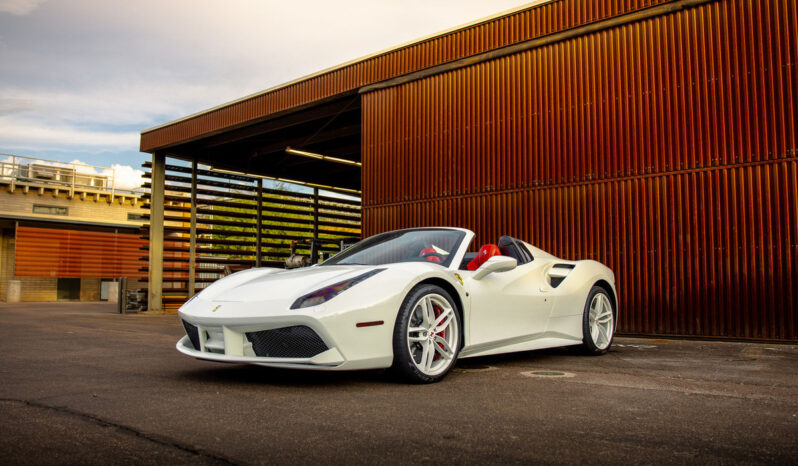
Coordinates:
(261, 375)
(244, 374)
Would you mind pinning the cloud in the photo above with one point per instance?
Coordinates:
(89, 75)
(19, 7)
(15, 105)
(15, 132)
(127, 177)
(120, 104)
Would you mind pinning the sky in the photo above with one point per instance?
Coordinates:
(80, 79)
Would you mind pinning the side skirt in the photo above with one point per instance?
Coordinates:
(521, 343)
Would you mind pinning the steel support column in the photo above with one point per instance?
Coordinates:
(259, 218)
(314, 247)
(155, 301)
(315, 213)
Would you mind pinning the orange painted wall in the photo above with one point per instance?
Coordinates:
(56, 252)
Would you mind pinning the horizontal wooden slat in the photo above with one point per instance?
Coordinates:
(248, 192)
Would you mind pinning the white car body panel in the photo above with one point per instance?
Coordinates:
(516, 310)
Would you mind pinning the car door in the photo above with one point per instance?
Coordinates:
(508, 305)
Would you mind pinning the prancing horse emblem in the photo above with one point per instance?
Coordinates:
(217, 307)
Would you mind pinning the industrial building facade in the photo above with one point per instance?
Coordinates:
(65, 234)
(658, 137)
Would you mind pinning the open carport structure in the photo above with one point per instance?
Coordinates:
(657, 136)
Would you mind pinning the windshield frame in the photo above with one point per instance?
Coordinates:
(455, 256)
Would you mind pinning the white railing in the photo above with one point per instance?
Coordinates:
(37, 172)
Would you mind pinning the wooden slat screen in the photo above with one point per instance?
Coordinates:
(227, 226)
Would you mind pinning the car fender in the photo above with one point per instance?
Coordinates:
(572, 293)
(379, 298)
(399, 279)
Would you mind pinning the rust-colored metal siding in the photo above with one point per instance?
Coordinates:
(523, 25)
(665, 148)
(63, 253)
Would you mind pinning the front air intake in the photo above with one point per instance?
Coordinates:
(193, 334)
(288, 342)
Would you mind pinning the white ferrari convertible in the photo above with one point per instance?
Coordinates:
(414, 300)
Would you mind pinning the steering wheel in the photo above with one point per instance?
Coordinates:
(432, 257)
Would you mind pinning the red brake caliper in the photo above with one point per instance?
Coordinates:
(437, 310)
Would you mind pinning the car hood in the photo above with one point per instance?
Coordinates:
(272, 284)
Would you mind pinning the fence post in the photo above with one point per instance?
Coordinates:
(121, 299)
(192, 242)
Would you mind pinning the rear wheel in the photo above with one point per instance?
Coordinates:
(426, 337)
(598, 322)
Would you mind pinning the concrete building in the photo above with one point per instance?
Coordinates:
(65, 232)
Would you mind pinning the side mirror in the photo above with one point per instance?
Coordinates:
(495, 264)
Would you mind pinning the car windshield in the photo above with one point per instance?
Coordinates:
(437, 246)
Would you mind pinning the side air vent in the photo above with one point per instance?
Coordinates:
(288, 342)
(557, 273)
(193, 334)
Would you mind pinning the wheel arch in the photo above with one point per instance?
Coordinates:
(610, 292)
(446, 286)
(455, 296)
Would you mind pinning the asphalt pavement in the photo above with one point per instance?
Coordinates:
(80, 383)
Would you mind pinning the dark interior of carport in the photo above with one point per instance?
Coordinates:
(296, 175)
(330, 128)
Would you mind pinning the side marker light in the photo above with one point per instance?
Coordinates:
(369, 324)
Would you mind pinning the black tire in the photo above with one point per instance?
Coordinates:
(597, 345)
(404, 365)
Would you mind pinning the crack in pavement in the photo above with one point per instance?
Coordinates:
(165, 441)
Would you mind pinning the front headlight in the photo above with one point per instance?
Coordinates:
(329, 292)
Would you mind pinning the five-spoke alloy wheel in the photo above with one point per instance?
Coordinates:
(427, 335)
(598, 322)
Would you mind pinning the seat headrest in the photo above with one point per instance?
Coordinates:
(485, 252)
(435, 258)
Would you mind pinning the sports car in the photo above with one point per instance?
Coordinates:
(413, 300)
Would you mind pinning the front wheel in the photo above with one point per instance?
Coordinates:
(598, 322)
(426, 337)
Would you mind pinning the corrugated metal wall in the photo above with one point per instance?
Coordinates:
(666, 149)
(65, 253)
(517, 27)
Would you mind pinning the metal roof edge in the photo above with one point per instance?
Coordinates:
(526, 6)
(25, 218)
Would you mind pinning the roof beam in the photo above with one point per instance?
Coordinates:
(295, 118)
(321, 157)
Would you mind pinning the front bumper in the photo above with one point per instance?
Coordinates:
(336, 341)
(330, 359)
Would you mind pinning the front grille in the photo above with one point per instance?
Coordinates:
(193, 334)
(288, 342)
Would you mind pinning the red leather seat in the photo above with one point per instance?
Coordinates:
(485, 252)
(435, 258)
